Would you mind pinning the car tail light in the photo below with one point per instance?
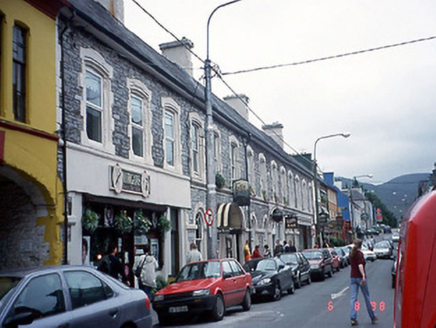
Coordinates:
(147, 302)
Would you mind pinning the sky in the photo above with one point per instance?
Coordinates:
(385, 99)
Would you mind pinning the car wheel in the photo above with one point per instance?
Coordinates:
(219, 308)
(292, 289)
(246, 303)
(330, 273)
(323, 274)
(298, 283)
(277, 292)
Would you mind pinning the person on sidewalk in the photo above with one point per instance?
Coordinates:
(266, 251)
(147, 279)
(111, 265)
(359, 279)
(278, 249)
(194, 254)
(292, 247)
(256, 253)
(247, 253)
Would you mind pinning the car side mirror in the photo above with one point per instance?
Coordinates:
(24, 318)
(227, 275)
(281, 267)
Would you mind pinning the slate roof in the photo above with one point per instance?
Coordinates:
(96, 15)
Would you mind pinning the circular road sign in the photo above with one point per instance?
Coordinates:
(208, 217)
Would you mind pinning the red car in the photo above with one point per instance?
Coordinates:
(207, 286)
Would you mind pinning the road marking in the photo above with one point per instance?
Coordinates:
(341, 293)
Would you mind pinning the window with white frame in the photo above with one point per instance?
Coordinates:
(140, 119)
(291, 195)
(234, 157)
(171, 134)
(284, 186)
(297, 192)
(217, 148)
(95, 80)
(250, 162)
(197, 148)
(304, 195)
(275, 178)
(310, 198)
(263, 177)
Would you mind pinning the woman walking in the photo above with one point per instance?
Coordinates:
(358, 279)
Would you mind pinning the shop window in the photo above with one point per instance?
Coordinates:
(19, 72)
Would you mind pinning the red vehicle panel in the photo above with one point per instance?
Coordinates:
(415, 295)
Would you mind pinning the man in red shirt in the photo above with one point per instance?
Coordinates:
(358, 279)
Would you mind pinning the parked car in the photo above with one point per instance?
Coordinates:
(383, 249)
(207, 286)
(320, 262)
(342, 257)
(395, 237)
(347, 254)
(69, 296)
(394, 272)
(271, 276)
(300, 267)
(335, 259)
(387, 229)
(368, 254)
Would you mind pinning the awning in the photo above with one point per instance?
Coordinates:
(230, 217)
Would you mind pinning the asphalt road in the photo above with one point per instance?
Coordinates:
(321, 304)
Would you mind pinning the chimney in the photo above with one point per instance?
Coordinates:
(178, 53)
(238, 104)
(275, 131)
(115, 7)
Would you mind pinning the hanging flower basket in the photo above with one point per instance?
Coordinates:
(220, 182)
(141, 224)
(90, 220)
(123, 223)
(164, 224)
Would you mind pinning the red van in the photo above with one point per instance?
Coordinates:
(415, 294)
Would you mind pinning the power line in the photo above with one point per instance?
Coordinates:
(330, 57)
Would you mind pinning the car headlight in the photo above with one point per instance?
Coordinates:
(264, 281)
(201, 292)
(158, 297)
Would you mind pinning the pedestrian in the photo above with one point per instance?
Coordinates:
(266, 251)
(359, 279)
(316, 245)
(286, 248)
(111, 265)
(278, 249)
(247, 253)
(85, 249)
(147, 278)
(256, 253)
(194, 254)
(292, 248)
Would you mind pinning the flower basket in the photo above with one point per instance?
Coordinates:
(164, 224)
(220, 182)
(141, 224)
(123, 223)
(90, 220)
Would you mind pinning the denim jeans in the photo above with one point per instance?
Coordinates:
(354, 286)
(146, 289)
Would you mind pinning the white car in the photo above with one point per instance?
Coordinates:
(368, 254)
(395, 237)
(383, 249)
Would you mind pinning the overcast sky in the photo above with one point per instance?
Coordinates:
(385, 99)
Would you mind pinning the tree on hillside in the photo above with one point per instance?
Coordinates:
(388, 217)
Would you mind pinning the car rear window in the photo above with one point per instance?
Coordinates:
(310, 255)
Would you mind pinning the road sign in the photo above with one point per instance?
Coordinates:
(208, 217)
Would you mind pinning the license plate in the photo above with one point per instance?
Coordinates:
(177, 309)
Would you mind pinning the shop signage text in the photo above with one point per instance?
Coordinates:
(128, 181)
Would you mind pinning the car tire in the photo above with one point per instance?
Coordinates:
(292, 289)
(246, 303)
(330, 273)
(277, 292)
(219, 309)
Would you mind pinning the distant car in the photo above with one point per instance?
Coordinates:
(383, 249)
(346, 251)
(335, 259)
(69, 296)
(320, 262)
(395, 237)
(206, 286)
(300, 267)
(368, 254)
(342, 257)
(271, 276)
(387, 229)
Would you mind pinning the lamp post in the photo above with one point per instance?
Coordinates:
(315, 181)
(351, 197)
(210, 163)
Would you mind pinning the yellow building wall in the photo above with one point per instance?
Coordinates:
(34, 155)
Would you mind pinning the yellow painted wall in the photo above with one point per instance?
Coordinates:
(35, 156)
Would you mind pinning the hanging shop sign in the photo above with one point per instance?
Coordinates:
(241, 192)
(128, 181)
(277, 215)
(291, 222)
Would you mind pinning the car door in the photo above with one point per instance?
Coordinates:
(229, 283)
(284, 273)
(305, 266)
(93, 302)
(327, 258)
(240, 278)
(43, 298)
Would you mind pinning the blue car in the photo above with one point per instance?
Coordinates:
(69, 296)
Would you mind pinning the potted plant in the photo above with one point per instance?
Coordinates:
(90, 220)
(141, 224)
(164, 224)
(220, 182)
(122, 222)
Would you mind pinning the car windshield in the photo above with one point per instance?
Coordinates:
(265, 265)
(313, 255)
(382, 244)
(6, 284)
(199, 270)
(289, 258)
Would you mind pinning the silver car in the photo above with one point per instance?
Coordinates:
(69, 296)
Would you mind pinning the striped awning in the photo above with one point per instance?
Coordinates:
(230, 217)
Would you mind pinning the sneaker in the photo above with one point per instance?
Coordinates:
(374, 320)
(354, 322)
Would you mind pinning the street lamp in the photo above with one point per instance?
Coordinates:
(351, 196)
(315, 181)
(210, 163)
